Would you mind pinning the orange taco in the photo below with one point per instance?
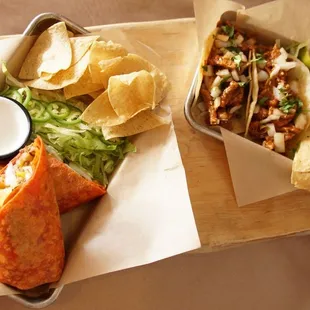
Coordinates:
(71, 188)
(31, 241)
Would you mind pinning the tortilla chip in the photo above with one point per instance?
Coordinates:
(162, 85)
(96, 94)
(79, 46)
(64, 77)
(50, 53)
(83, 86)
(101, 113)
(72, 189)
(102, 50)
(70, 34)
(131, 93)
(32, 246)
(145, 120)
(123, 65)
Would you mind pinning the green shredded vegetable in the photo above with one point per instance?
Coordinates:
(66, 136)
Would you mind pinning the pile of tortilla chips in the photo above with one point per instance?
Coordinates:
(126, 88)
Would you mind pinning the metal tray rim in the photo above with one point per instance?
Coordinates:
(188, 114)
(35, 304)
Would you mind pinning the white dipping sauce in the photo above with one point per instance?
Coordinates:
(14, 126)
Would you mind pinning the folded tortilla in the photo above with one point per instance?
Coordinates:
(31, 241)
(279, 109)
(71, 188)
(224, 79)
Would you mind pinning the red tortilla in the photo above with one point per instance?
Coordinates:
(31, 241)
(72, 189)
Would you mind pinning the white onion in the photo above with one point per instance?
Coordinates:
(217, 81)
(220, 44)
(301, 121)
(243, 78)
(270, 118)
(283, 52)
(261, 64)
(215, 92)
(217, 102)
(239, 39)
(209, 71)
(235, 75)
(222, 37)
(275, 71)
(262, 76)
(228, 55)
(202, 106)
(294, 86)
(256, 109)
(271, 130)
(229, 80)
(235, 108)
(279, 142)
(243, 57)
(288, 65)
(277, 112)
(277, 93)
(223, 72)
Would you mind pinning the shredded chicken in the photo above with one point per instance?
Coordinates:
(232, 95)
(256, 131)
(269, 143)
(221, 61)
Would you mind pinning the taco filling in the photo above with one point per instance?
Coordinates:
(226, 75)
(277, 115)
(16, 174)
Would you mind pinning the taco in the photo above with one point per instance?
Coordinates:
(278, 112)
(224, 82)
(31, 241)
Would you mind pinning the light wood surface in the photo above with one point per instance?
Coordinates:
(270, 275)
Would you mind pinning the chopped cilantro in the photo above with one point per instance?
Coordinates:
(233, 49)
(237, 60)
(262, 100)
(287, 104)
(229, 30)
(259, 58)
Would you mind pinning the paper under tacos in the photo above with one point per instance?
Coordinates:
(278, 113)
(31, 247)
(224, 82)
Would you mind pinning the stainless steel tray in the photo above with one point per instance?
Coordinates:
(188, 111)
(46, 296)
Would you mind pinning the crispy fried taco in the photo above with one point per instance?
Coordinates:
(224, 82)
(71, 188)
(31, 241)
(278, 112)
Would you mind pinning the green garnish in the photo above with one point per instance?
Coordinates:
(229, 30)
(259, 58)
(237, 60)
(287, 104)
(262, 100)
(233, 49)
